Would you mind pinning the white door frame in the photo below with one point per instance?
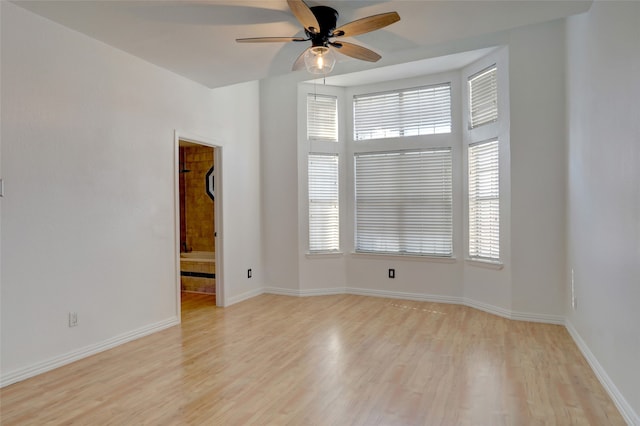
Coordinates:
(217, 177)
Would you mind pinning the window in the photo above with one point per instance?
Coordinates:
(404, 202)
(324, 214)
(483, 97)
(409, 112)
(322, 117)
(484, 201)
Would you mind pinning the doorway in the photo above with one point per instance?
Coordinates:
(198, 208)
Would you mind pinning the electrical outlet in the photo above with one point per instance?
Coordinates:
(392, 273)
(73, 319)
(249, 273)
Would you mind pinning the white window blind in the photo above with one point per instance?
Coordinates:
(409, 112)
(484, 201)
(483, 97)
(404, 202)
(324, 212)
(322, 117)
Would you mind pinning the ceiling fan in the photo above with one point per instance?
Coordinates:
(319, 24)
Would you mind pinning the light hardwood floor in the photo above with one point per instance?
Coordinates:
(329, 360)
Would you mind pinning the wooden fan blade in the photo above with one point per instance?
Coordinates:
(269, 39)
(304, 15)
(356, 51)
(299, 63)
(365, 25)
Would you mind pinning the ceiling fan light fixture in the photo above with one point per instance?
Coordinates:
(319, 60)
(319, 23)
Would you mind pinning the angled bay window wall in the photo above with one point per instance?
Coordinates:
(414, 168)
(403, 143)
(483, 171)
(404, 112)
(487, 166)
(404, 202)
(324, 203)
(484, 200)
(322, 165)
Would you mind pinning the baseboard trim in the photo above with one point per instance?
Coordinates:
(244, 296)
(58, 361)
(627, 412)
(304, 293)
(543, 318)
(402, 295)
(513, 315)
(485, 307)
(488, 308)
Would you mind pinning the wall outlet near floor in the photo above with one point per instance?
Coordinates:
(73, 319)
(392, 273)
(249, 273)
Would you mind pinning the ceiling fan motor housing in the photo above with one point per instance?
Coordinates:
(327, 18)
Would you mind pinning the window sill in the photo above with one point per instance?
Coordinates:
(488, 264)
(411, 257)
(324, 255)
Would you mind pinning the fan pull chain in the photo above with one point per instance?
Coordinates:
(315, 86)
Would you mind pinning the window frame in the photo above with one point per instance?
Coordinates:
(401, 125)
(500, 130)
(473, 201)
(451, 140)
(458, 140)
(470, 105)
(404, 243)
(319, 146)
(335, 202)
(309, 127)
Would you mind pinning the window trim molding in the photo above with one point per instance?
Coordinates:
(305, 147)
(468, 191)
(499, 130)
(484, 263)
(323, 251)
(324, 254)
(469, 117)
(453, 140)
(398, 256)
(337, 127)
(400, 91)
(453, 217)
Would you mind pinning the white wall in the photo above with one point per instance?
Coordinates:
(537, 92)
(279, 154)
(235, 122)
(88, 213)
(603, 236)
(487, 285)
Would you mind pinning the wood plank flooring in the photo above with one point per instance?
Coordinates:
(329, 360)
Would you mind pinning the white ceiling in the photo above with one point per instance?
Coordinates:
(196, 39)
